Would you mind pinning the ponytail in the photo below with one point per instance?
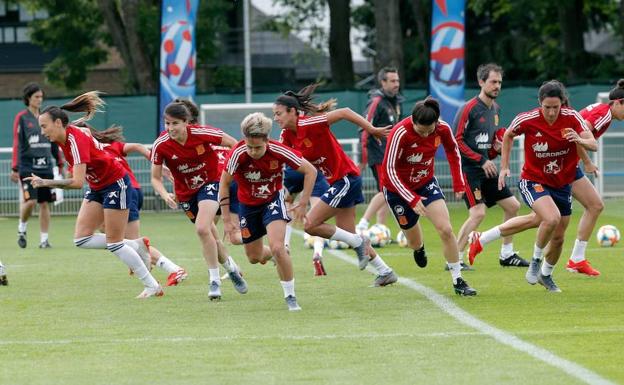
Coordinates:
(89, 103)
(302, 101)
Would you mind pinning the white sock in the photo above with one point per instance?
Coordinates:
(166, 264)
(547, 268)
(287, 235)
(95, 241)
(455, 269)
(319, 244)
(133, 261)
(134, 243)
(21, 226)
(380, 265)
(43, 237)
(506, 250)
(229, 265)
(578, 252)
(363, 223)
(214, 275)
(351, 239)
(538, 253)
(460, 255)
(289, 287)
(490, 235)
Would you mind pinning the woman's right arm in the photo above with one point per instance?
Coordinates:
(159, 187)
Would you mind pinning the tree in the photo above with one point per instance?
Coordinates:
(388, 36)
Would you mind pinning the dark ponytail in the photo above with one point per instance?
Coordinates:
(426, 111)
(617, 92)
(302, 101)
(89, 103)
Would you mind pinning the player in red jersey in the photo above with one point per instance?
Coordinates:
(411, 189)
(551, 135)
(113, 142)
(597, 117)
(257, 163)
(109, 184)
(311, 135)
(187, 151)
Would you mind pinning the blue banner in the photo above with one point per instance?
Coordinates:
(446, 74)
(177, 52)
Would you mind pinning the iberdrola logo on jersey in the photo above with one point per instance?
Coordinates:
(482, 138)
(540, 147)
(33, 139)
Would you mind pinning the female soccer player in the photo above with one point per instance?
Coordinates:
(551, 135)
(33, 154)
(187, 151)
(113, 142)
(256, 163)
(311, 135)
(597, 117)
(410, 188)
(108, 197)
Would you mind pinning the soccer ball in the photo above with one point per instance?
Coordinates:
(380, 235)
(608, 236)
(308, 241)
(401, 239)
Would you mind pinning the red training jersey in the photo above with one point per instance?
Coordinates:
(409, 159)
(260, 179)
(599, 115)
(192, 164)
(117, 150)
(549, 158)
(314, 139)
(102, 169)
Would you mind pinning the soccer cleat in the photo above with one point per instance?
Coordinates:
(533, 271)
(386, 279)
(45, 245)
(464, 267)
(175, 278)
(475, 246)
(461, 288)
(420, 257)
(143, 251)
(21, 239)
(214, 291)
(237, 280)
(548, 283)
(3, 278)
(583, 267)
(291, 301)
(151, 292)
(362, 252)
(514, 260)
(317, 262)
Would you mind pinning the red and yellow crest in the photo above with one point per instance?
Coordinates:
(200, 149)
(274, 164)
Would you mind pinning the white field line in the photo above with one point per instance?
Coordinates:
(572, 369)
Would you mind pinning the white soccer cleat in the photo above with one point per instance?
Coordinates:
(151, 292)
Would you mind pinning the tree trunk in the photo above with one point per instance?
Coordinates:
(123, 31)
(573, 25)
(422, 16)
(340, 43)
(388, 37)
(142, 63)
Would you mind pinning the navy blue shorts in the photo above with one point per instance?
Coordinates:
(403, 212)
(293, 182)
(579, 174)
(254, 219)
(531, 191)
(209, 191)
(116, 195)
(345, 192)
(135, 204)
(233, 198)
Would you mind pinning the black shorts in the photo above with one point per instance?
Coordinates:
(480, 189)
(376, 169)
(41, 194)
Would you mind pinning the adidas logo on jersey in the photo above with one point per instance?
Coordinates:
(540, 147)
(538, 135)
(482, 138)
(174, 156)
(415, 158)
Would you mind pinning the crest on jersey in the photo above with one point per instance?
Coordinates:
(307, 142)
(437, 141)
(200, 149)
(274, 164)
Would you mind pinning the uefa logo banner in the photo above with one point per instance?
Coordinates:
(446, 77)
(177, 52)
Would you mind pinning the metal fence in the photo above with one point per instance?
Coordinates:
(608, 159)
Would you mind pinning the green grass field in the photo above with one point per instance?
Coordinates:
(69, 316)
